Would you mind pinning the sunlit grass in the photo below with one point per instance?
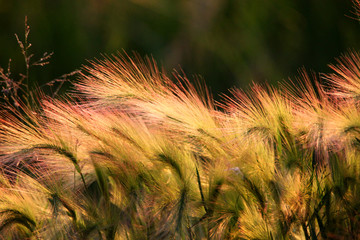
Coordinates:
(132, 153)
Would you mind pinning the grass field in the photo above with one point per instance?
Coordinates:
(136, 153)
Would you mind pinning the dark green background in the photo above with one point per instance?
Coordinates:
(227, 42)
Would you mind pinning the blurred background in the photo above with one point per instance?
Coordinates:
(227, 42)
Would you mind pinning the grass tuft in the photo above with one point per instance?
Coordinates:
(132, 153)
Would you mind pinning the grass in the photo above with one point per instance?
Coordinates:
(132, 154)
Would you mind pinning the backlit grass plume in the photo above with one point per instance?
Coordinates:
(132, 154)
